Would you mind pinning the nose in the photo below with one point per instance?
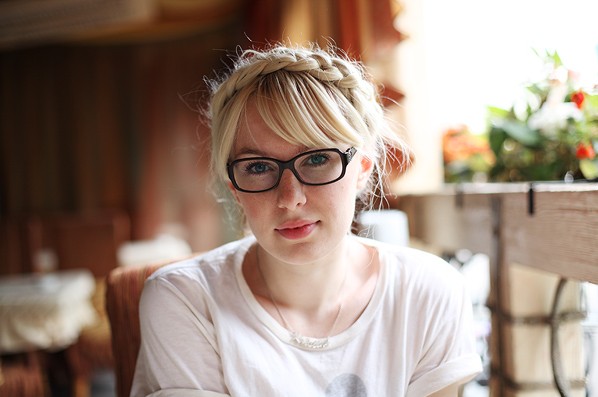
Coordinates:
(290, 191)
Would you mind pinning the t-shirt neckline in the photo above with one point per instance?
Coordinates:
(285, 335)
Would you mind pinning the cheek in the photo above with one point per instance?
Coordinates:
(340, 198)
(251, 205)
(259, 210)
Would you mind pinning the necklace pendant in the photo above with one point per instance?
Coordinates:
(309, 343)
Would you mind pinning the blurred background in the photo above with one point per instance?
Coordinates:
(93, 123)
(103, 153)
(99, 104)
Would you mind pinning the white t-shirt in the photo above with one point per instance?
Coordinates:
(203, 330)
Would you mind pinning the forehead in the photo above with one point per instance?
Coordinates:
(254, 136)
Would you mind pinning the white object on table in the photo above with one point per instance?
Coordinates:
(163, 248)
(44, 311)
(390, 226)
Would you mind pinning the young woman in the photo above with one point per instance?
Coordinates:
(301, 307)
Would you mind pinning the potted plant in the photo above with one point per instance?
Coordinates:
(551, 135)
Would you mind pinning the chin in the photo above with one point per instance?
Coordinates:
(305, 251)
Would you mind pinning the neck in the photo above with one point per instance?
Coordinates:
(311, 287)
(317, 299)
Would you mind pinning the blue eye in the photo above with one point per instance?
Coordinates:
(257, 167)
(318, 159)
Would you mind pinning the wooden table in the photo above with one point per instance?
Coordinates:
(552, 227)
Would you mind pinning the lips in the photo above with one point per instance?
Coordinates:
(295, 230)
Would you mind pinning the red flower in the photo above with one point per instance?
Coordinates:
(578, 98)
(585, 151)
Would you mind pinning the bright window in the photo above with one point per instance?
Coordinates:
(463, 55)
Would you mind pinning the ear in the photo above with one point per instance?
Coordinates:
(365, 171)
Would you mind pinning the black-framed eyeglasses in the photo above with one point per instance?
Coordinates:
(314, 168)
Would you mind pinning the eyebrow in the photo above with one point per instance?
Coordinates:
(252, 151)
(260, 153)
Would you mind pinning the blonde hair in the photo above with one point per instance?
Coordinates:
(310, 97)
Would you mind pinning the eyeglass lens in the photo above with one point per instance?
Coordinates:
(311, 168)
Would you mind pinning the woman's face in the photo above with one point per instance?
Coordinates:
(296, 223)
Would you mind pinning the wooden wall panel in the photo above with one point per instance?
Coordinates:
(89, 128)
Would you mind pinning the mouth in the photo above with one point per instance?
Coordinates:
(296, 230)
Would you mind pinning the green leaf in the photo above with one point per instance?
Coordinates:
(592, 101)
(556, 59)
(540, 90)
(521, 133)
(497, 112)
(496, 138)
(589, 168)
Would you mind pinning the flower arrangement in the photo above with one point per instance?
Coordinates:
(552, 135)
(467, 157)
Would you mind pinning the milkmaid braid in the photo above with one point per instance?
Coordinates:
(320, 65)
(308, 96)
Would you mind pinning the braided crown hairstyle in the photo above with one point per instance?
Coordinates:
(307, 96)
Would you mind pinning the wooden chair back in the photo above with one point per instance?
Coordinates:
(123, 291)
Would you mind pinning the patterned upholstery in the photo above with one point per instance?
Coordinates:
(123, 290)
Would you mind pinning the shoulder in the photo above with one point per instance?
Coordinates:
(418, 273)
(206, 271)
(412, 262)
(209, 262)
(422, 264)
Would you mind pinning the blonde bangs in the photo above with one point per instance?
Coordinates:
(303, 111)
(225, 127)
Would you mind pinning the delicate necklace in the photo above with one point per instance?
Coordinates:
(298, 339)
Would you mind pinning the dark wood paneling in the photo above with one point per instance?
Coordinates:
(86, 128)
